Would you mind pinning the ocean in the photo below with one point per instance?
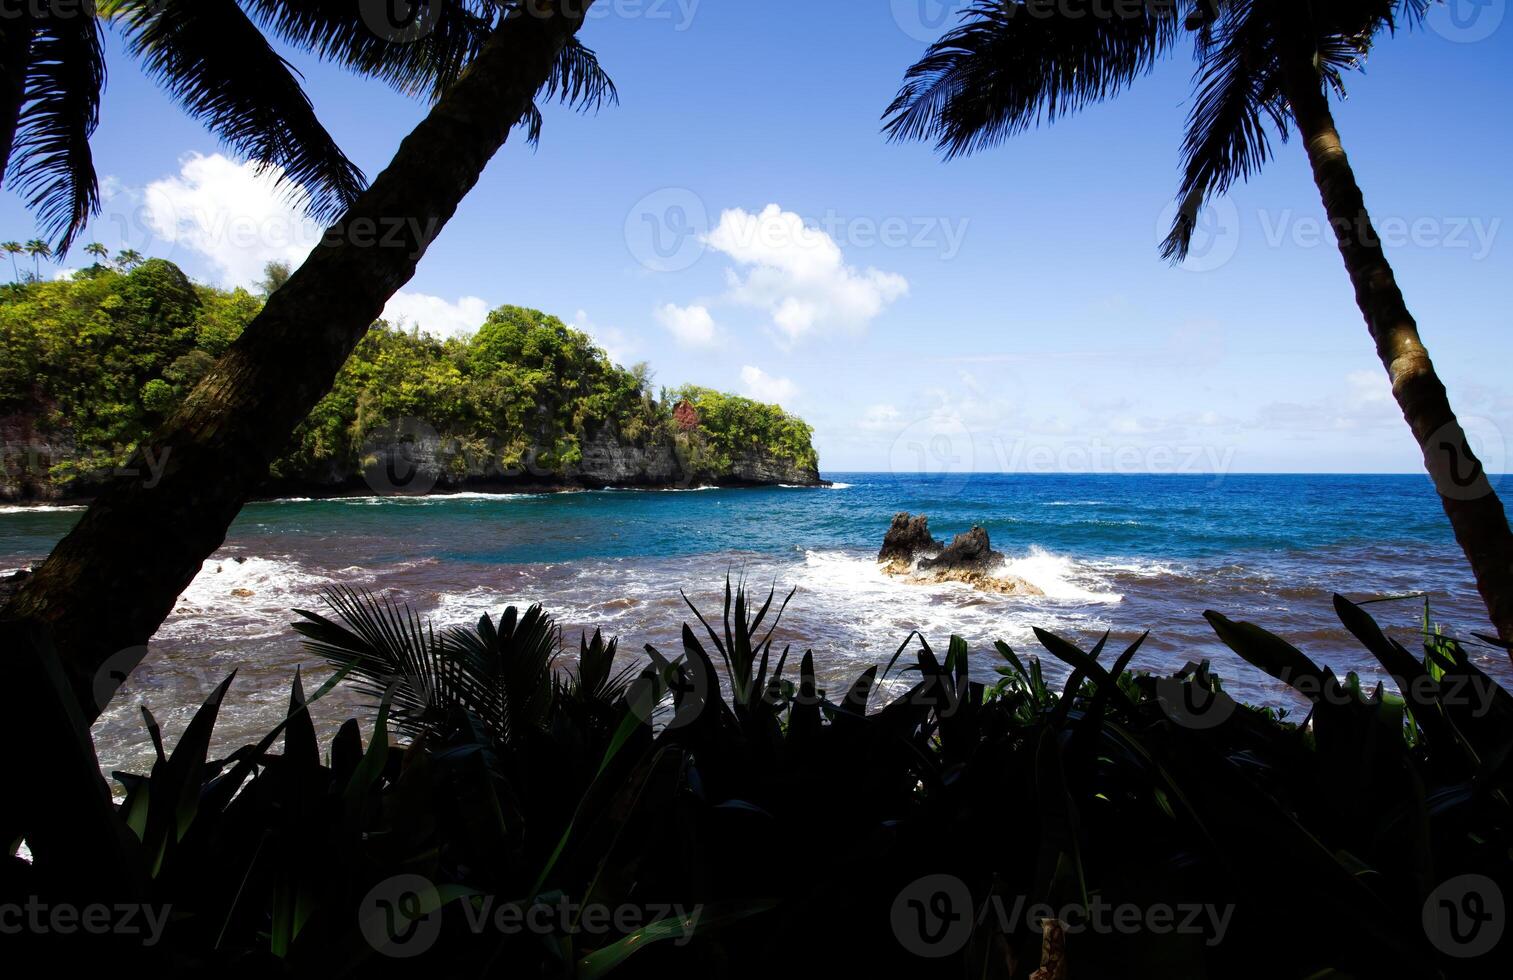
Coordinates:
(1119, 553)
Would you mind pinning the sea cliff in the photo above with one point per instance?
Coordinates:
(95, 363)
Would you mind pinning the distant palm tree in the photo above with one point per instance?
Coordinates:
(38, 250)
(1008, 66)
(128, 259)
(14, 249)
(98, 251)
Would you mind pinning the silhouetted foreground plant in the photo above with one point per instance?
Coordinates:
(722, 813)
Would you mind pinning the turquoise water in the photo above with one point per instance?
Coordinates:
(1123, 553)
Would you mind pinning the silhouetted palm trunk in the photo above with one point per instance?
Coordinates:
(112, 581)
(1475, 512)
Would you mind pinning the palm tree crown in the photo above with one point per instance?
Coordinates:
(1011, 65)
(214, 57)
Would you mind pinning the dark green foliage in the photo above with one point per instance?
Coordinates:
(798, 820)
(94, 363)
(738, 426)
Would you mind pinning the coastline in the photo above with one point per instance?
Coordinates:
(293, 491)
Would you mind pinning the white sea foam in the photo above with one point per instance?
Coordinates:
(39, 508)
(652, 489)
(429, 499)
(249, 599)
(1059, 577)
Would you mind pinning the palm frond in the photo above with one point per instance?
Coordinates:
(386, 646)
(576, 80)
(421, 57)
(499, 674)
(1238, 85)
(15, 56)
(218, 65)
(51, 164)
(508, 668)
(1007, 68)
(596, 679)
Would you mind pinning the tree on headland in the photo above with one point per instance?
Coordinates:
(128, 259)
(1011, 64)
(14, 249)
(114, 578)
(97, 251)
(275, 274)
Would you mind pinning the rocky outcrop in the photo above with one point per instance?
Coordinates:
(909, 552)
(968, 551)
(908, 539)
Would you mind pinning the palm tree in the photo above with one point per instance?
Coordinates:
(214, 58)
(99, 252)
(1258, 62)
(38, 250)
(128, 259)
(14, 249)
(210, 56)
(112, 580)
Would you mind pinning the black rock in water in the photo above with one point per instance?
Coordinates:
(908, 538)
(970, 551)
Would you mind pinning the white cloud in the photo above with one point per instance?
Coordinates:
(764, 387)
(798, 274)
(1367, 389)
(880, 418)
(237, 215)
(435, 315)
(691, 326)
(616, 342)
(1364, 402)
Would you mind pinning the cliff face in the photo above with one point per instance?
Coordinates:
(410, 459)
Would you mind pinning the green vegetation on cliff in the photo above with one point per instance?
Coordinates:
(90, 365)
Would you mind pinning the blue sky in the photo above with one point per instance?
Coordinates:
(1008, 311)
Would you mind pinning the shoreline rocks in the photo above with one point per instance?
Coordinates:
(909, 552)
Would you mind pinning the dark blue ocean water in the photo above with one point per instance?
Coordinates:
(1123, 553)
